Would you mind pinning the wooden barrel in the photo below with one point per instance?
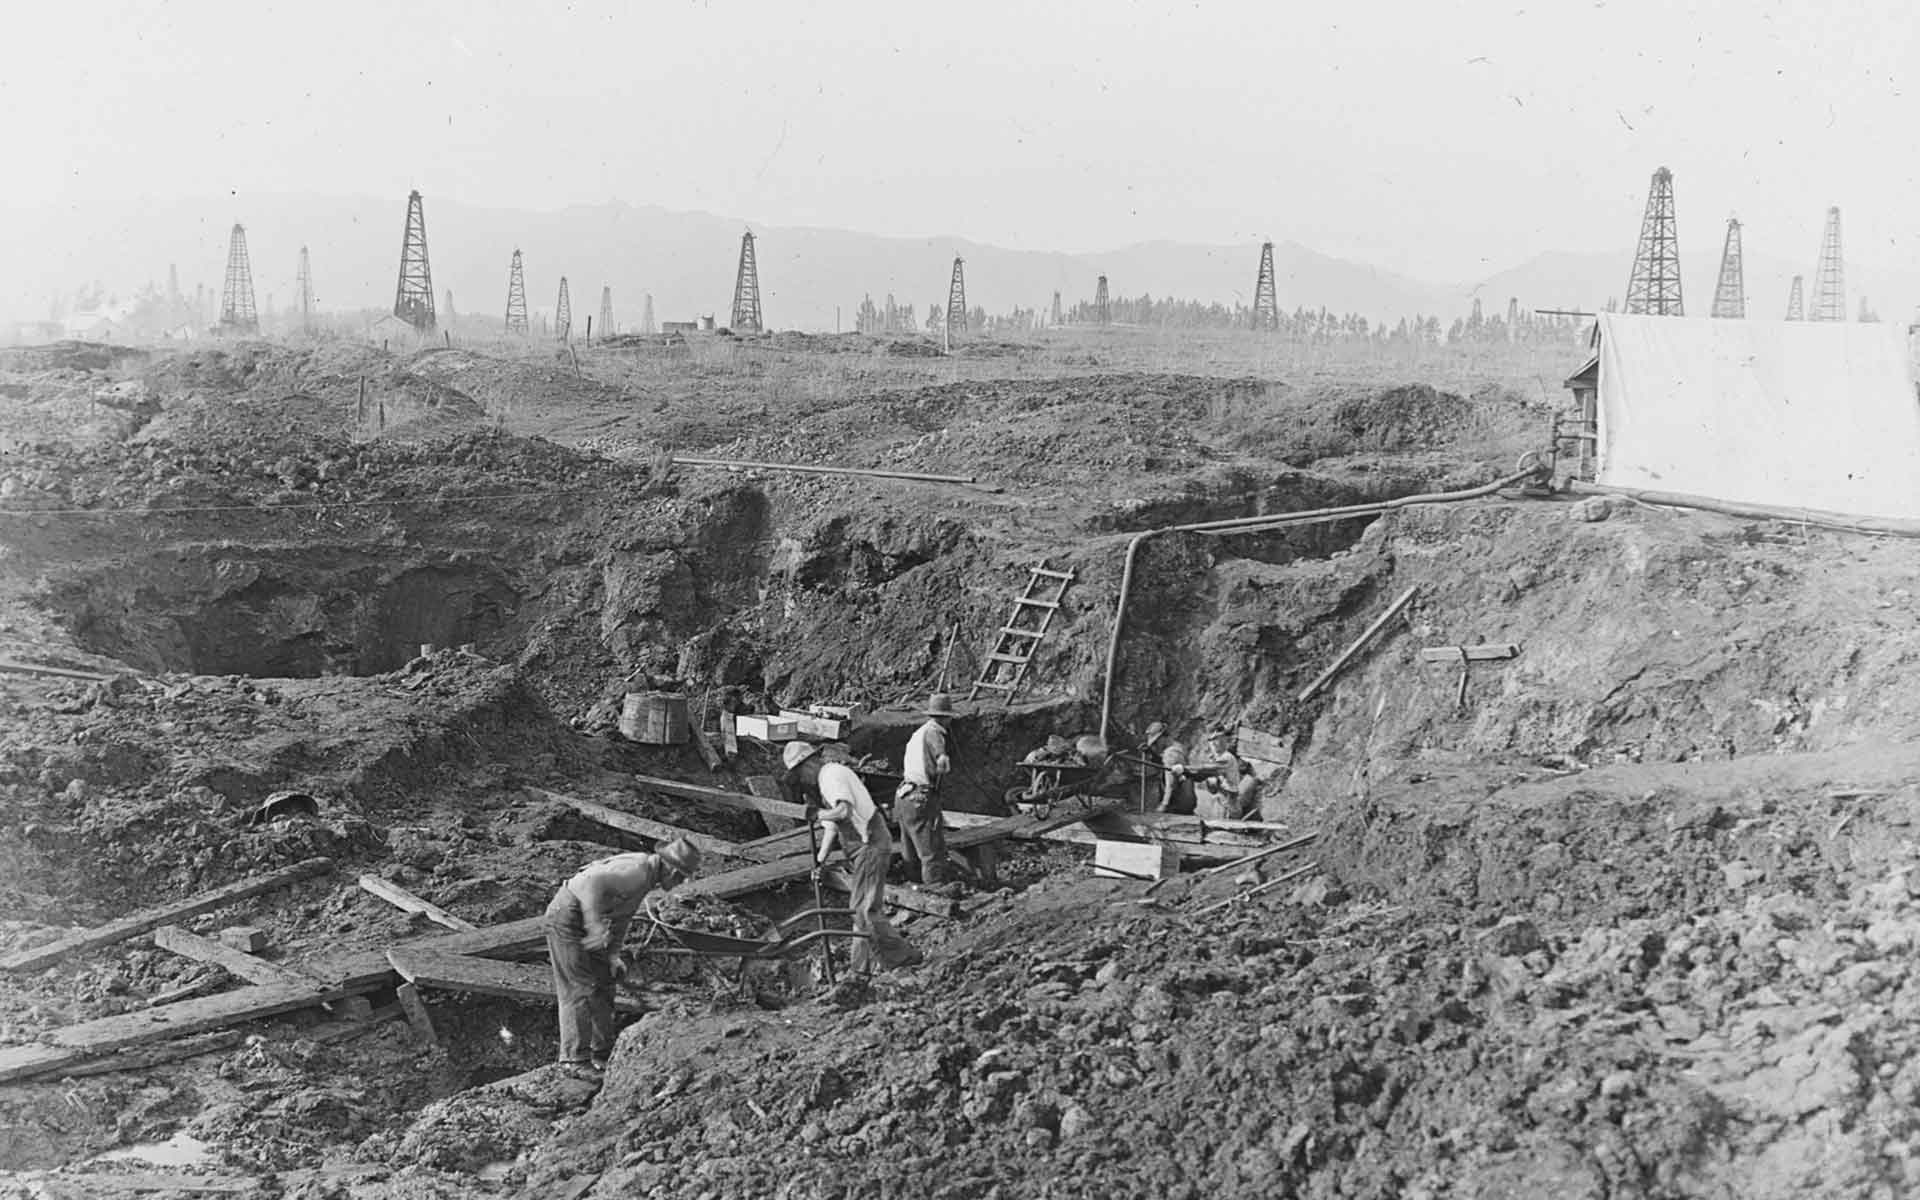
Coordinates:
(655, 718)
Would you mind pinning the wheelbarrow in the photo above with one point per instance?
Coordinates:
(788, 939)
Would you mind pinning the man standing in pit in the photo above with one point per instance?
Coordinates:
(848, 813)
(586, 927)
(916, 805)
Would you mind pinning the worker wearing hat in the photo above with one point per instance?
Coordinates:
(1229, 790)
(849, 818)
(917, 806)
(586, 927)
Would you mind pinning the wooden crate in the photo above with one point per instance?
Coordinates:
(1134, 860)
(766, 729)
(813, 725)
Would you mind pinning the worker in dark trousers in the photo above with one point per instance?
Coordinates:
(848, 814)
(916, 804)
(586, 927)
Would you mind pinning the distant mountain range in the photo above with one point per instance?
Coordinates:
(810, 278)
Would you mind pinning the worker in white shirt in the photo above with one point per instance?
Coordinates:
(916, 804)
(848, 813)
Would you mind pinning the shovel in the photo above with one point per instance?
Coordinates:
(826, 944)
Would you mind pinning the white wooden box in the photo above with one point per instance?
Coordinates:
(767, 729)
(813, 725)
(1134, 860)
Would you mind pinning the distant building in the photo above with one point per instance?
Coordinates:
(680, 327)
(392, 331)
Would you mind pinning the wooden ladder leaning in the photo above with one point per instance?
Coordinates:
(1020, 637)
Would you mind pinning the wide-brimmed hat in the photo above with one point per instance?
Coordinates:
(797, 753)
(1154, 730)
(682, 855)
(940, 705)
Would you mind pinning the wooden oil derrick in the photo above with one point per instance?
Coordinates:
(516, 298)
(1730, 293)
(1102, 306)
(606, 312)
(1266, 300)
(1057, 320)
(1829, 282)
(1654, 286)
(646, 315)
(237, 311)
(1796, 304)
(413, 296)
(562, 313)
(746, 290)
(303, 288)
(957, 300)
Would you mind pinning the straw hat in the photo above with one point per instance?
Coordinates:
(940, 705)
(682, 855)
(797, 753)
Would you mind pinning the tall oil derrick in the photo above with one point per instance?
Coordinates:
(1102, 306)
(413, 296)
(746, 290)
(646, 315)
(1057, 320)
(1796, 307)
(1829, 282)
(446, 307)
(1654, 286)
(516, 298)
(957, 300)
(1266, 301)
(562, 313)
(237, 313)
(1730, 294)
(606, 311)
(303, 292)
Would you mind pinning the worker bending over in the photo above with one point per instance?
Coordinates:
(849, 818)
(917, 804)
(586, 927)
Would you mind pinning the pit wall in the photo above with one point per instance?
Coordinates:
(1648, 637)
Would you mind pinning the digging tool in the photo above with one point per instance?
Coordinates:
(826, 944)
(1251, 892)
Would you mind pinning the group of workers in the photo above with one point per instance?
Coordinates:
(1215, 784)
(587, 920)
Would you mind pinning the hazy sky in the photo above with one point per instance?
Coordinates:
(1443, 140)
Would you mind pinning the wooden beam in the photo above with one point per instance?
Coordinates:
(73, 1043)
(237, 963)
(140, 1060)
(1367, 635)
(461, 973)
(417, 1016)
(155, 1181)
(1087, 833)
(141, 922)
(1482, 653)
(640, 826)
(766, 787)
(708, 754)
(694, 791)
(406, 901)
(15, 667)
(366, 970)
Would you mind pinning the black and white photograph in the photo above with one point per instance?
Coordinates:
(736, 600)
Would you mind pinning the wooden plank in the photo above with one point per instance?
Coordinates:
(461, 973)
(1133, 860)
(645, 827)
(694, 791)
(417, 1016)
(366, 970)
(729, 736)
(237, 963)
(96, 1182)
(766, 787)
(1089, 832)
(90, 1038)
(405, 900)
(15, 667)
(745, 881)
(707, 753)
(1488, 652)
(141, 922)
(1367, 635)
(140, 1060)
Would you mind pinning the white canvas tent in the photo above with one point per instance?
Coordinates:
(1789, 413)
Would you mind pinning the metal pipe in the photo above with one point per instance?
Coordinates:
(1886, 526)
(743, 464)
(1272, 521)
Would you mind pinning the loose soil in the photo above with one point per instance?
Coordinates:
(1626, 915)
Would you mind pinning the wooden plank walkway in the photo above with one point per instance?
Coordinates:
(237, 963)
(694, 791)
(639, 826)
(37, 957)
(406, 901)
